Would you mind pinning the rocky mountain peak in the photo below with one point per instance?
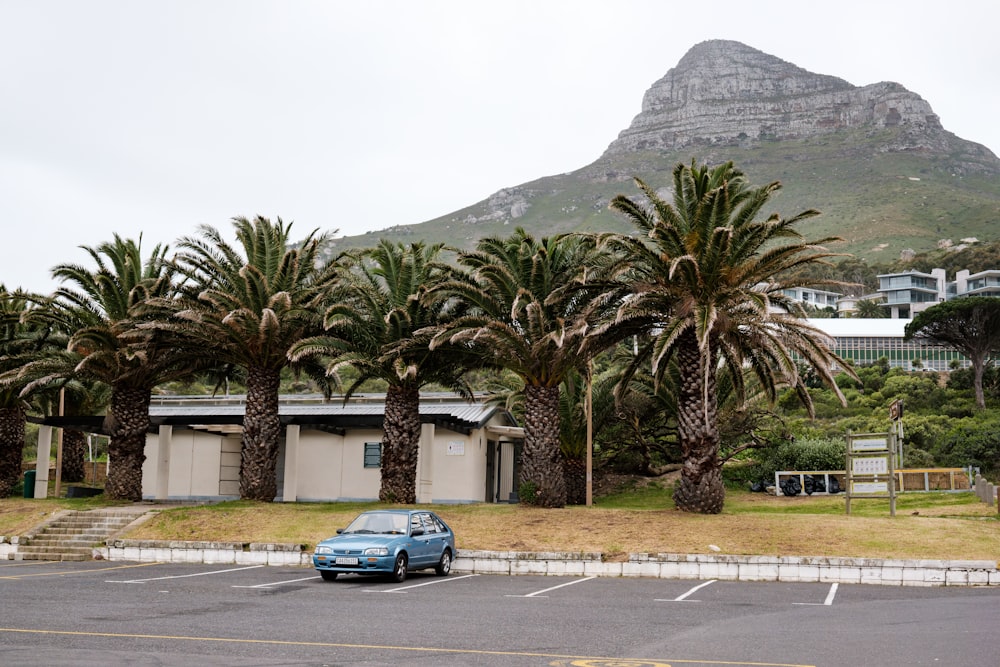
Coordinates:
(727, 93)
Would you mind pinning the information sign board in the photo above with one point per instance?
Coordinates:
(869, 444)
(863, 488)
(870, 465)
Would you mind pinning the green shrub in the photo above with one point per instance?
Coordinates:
(810, 454)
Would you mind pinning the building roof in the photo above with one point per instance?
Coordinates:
(856, 326)
(363, 411)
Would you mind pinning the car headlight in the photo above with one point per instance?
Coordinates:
(324, 550)
(376, 551)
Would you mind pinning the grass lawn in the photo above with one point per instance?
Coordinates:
(637, 519)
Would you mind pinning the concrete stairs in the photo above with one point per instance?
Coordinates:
(73, 535)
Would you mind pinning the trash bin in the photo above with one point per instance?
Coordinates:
(29, 483)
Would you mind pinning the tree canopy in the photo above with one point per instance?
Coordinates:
(970, 325)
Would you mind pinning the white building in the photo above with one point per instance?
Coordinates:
(329, 451)
(812, 296)
(865, 341)
(984, 283)
(907, 293)
(910, 292)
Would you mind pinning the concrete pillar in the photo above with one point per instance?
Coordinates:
(425, 465)
(289, 493)
(42, 464)
(164, 443)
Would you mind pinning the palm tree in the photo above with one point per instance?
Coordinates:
(706, 278)
(382, 327)
(530, 312)
(21, 341)
(247, 306)
(105, 309)
(870, 309)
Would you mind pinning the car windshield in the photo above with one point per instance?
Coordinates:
(379, 522)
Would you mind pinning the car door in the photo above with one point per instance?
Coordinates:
(428, 544)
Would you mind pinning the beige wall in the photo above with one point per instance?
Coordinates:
(194, 463)
(458, 467)
(331, 467)
(328, 467)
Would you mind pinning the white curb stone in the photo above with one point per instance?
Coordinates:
(890, 572)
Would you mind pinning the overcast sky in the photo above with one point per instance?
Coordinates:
(151, 118)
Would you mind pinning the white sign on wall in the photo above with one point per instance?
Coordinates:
(456, 448)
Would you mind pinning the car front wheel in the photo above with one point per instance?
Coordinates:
(399, 569)
(444, 565)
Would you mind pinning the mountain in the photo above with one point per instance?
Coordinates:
(875, 160)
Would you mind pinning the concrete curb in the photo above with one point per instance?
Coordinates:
(723, 567)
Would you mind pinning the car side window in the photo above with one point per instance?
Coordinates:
(429, 525)
(438, 524)
(415, 523)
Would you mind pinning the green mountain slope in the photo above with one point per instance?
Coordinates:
(882, 183)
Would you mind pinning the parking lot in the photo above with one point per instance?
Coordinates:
(171, 614)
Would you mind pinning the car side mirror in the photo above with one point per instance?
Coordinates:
(340, 531)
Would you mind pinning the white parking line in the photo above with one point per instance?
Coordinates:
(546, 590)
(826, 603)
(403, 589)
(278, 583)
(182, 576)
(682, 598)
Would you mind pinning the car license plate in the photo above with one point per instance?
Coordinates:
(345, 560)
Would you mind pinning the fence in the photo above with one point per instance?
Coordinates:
(907, 479)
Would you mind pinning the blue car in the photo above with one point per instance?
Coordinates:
(389, 542)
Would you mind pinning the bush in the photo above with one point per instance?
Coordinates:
(811, 454)
(972, 442)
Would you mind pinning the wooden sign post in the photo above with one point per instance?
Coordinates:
(871, 467)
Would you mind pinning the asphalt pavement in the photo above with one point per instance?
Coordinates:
(137, 614)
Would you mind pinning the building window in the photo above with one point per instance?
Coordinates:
(373, 454)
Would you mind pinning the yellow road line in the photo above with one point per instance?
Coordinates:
(28, 563)
(65, 572)
(412, 649)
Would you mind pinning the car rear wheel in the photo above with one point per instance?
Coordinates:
(444, 565)
(399, 569)
(328, 576)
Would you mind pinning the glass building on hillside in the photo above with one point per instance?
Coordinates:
(865, 341)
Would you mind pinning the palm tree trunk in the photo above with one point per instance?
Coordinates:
(127, 423)
(542, 482)
(400, 446)
(700, 489)
(575, 476)
(74, 455)
(12, 421)
(261, 434)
